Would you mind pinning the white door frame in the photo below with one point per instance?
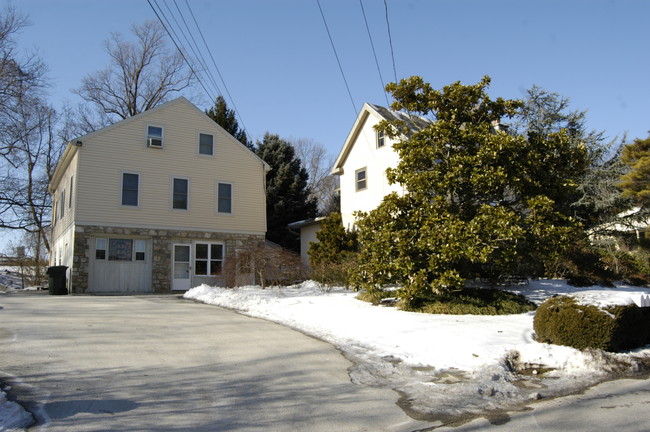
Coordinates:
(181, 270)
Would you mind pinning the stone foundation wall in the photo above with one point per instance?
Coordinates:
(162, 241)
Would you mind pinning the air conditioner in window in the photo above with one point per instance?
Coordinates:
(154, 142)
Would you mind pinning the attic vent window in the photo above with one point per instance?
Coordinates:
(154, 136)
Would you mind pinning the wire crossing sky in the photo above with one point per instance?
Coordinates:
(282, 77)
(197, 55)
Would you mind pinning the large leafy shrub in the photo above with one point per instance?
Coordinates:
(480, 202)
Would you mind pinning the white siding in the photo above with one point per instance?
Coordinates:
(365, 154)
(307, 236)
(63, 251)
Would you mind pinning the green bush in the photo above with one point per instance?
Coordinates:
(375, 296)
(471, 301)
(335, 272)
(334, 257)
(562, 321)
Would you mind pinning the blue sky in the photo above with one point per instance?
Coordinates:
(279, 67)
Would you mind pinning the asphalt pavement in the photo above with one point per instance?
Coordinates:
(619, 405)
(161, 363)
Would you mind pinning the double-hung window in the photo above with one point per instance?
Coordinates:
(361, 179)
(180, 193)
(139, 249)
(100, 248)
(154, 136)
(206, 144)
(381, 139)
(208, 259)
(224, 198)
(130, 189)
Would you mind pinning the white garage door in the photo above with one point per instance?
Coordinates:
(120, 265)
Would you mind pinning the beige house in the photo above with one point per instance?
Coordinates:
(158, 202)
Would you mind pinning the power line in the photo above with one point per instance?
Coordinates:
(217, 68)
(337, 57)
(174, 41)
(374, 53)
(199, 56)
(390, 40)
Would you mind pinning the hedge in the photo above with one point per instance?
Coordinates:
(562, 321)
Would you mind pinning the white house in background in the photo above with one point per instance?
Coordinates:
(154, 203)
(364, 159)
(307, 230)
(631, 222)
(361, 165)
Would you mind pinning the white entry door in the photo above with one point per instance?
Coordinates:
(182, 260)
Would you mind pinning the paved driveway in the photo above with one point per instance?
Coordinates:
(160, 363)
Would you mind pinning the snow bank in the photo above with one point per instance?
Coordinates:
(437, 361)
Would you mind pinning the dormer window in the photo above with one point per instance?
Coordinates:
(381, 139)
(154, 136)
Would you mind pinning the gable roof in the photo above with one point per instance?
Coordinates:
(413, 122)
(73, 146)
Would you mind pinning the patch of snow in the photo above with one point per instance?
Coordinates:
(439, 363)
(11, 280)
(13, 417)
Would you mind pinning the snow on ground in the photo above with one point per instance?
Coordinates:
(10, 279)
(442, 365)
(13, 417)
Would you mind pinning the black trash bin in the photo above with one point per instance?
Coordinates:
(57, 280)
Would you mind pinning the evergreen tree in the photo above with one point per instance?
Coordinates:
(335, 243)
(596, 199)
(636, 183)
(226, 118)
(287, 194)
(479, 201)
(333, 257)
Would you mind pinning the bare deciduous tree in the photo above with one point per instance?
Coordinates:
(19, 77)
(28, 147)
(25, 203)
(142, 75)
(267, 264)
(315, 160)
